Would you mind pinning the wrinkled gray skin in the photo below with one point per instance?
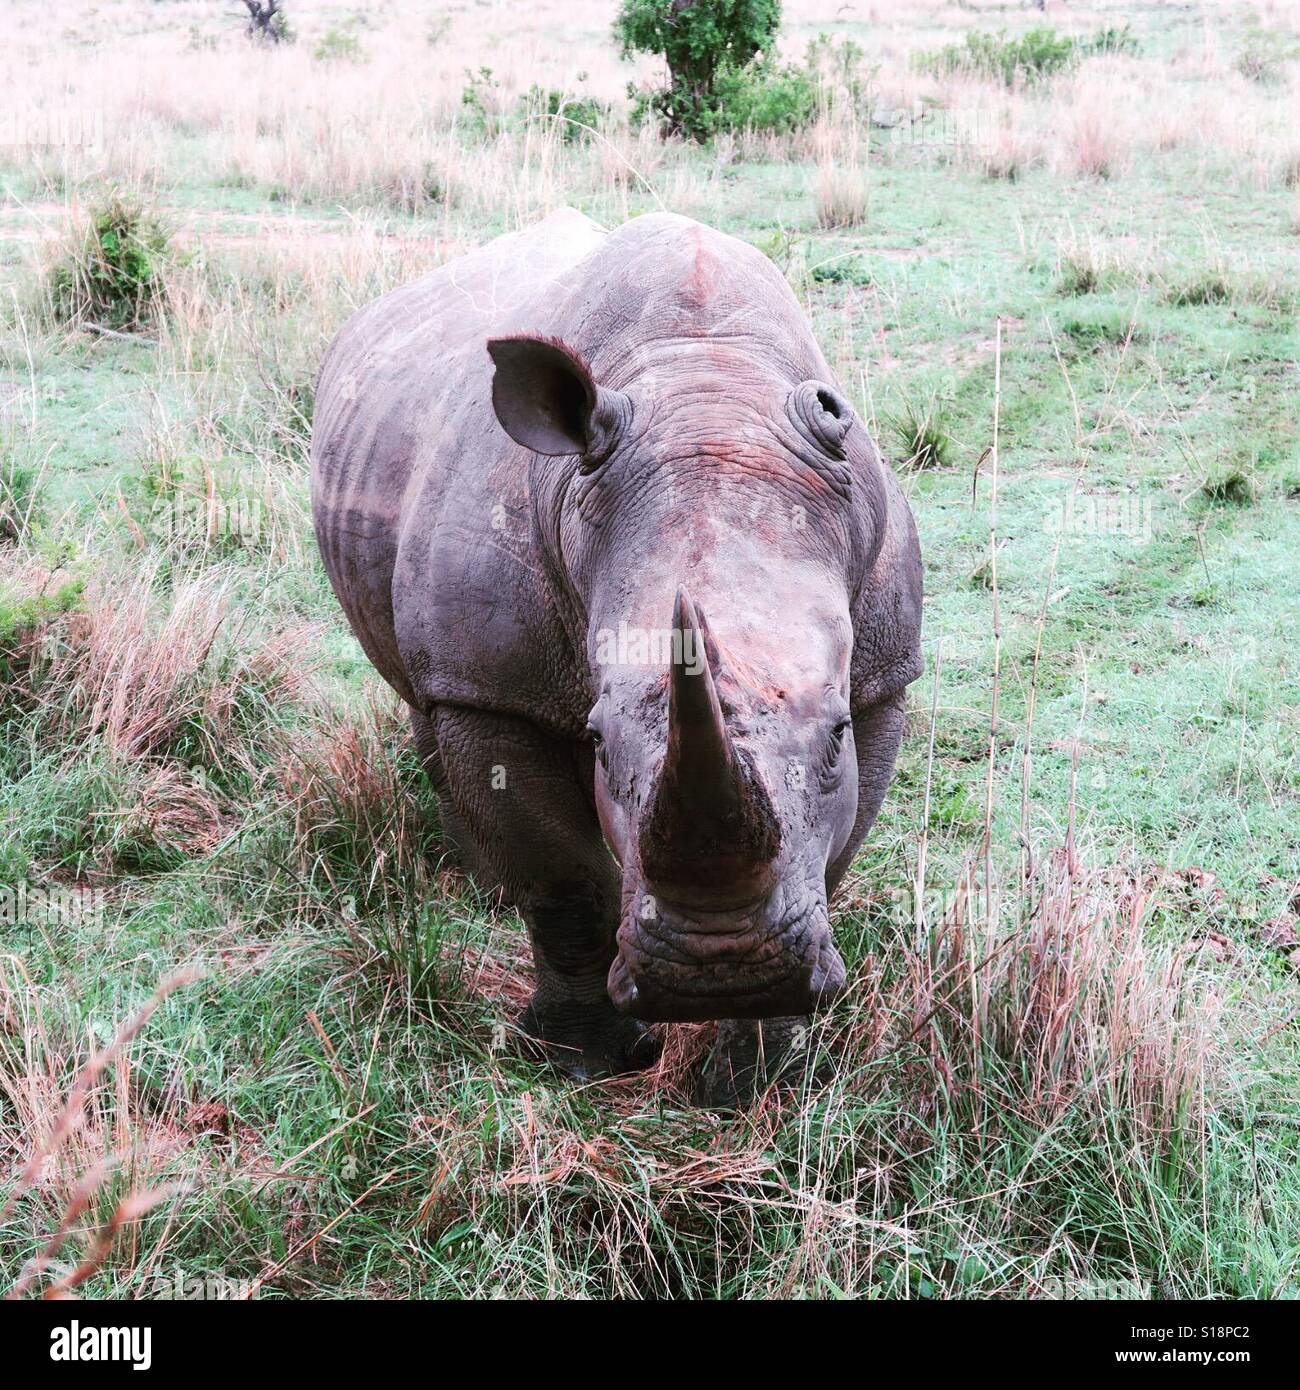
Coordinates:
(570, 436)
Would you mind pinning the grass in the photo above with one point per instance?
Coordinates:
(921, 435)
(254, 1029)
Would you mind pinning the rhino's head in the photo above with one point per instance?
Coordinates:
(711, 537)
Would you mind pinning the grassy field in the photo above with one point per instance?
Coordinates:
(254, 1034)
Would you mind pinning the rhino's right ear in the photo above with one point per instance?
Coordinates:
(545, 399)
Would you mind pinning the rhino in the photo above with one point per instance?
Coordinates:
(596, 510)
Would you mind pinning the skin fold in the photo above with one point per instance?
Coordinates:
(595, 508)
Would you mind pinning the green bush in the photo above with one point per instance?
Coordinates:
(577, 116)
(1111, 40)
(113, 273)
(841, 65)
(767, 96)
(1109, 328)
(479, 99)
(770, 96)
(1204, 285)
(24, 621)
(699, 40)
(839, 269)
(1035, 55)
(1262, 57)
(1229, 487)
(338, 46)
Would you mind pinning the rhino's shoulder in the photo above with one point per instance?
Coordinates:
(486, 287)
(680, 238)
(532, 256)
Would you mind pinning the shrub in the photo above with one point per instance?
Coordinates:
(1204, 285)
(1231, 487)
(113, 274)
(1110, 40)
(480, 100)
(576, 116)
(841, 270)
(775, 98)
(1111, 328)
(699, 39)
(840, 65)
(1037, 54)
(338, 46)
(26, 612)
(765, 96)
(1261, 58)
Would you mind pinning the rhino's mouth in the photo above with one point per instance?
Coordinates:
(675, 967)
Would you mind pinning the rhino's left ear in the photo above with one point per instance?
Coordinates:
(545, 399)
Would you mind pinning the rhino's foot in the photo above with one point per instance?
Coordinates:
(588, 1043)
(750, 1055)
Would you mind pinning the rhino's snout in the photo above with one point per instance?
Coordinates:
(724, 890)
(769, 961)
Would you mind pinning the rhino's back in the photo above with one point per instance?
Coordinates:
(400, 393)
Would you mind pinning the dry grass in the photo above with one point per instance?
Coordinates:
(841, 166)
(353, 797)
(993, 1050)
(94, 1161)
(1096, 142)
(139, 675)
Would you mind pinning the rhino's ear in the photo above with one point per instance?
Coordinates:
(545, 399)
(822, 415)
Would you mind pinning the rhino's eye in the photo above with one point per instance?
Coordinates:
(838, 732)
(597, 742)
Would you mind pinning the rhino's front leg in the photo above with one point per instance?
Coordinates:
(520, 798)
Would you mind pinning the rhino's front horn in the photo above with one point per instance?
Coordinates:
(709, 835)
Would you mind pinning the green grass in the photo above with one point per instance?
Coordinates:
(337, 1103)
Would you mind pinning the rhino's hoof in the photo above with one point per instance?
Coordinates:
(586, 1049)
(749, 1056)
